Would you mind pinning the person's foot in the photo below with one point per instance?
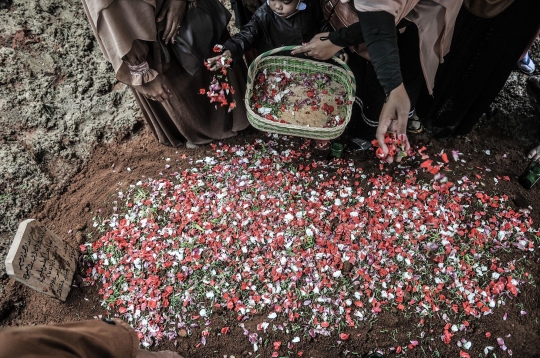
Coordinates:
(358, 144)
(414, 125)
(190, 145)
(534, 154)
(526, 65)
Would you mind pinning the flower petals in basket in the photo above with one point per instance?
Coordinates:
(299, 97)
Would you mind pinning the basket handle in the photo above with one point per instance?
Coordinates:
(352, 79)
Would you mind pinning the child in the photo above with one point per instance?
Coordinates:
(276, 23)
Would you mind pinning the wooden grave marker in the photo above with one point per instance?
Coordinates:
(41, 260)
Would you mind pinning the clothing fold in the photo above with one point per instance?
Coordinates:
(83, 339)
(117, 24)
(486, 8)
(435, 22)
(127, 31)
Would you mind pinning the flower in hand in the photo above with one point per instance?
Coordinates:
(219, 62)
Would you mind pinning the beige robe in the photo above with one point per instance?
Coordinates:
(435, 20)
(126, 31)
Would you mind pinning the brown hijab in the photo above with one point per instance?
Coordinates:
(117, 42)
(487, 8)
(435, 20)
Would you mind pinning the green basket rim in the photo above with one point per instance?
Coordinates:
(264, 124)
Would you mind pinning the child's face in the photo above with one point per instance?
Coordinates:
(283, 8)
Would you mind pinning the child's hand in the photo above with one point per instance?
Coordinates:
(343, 56)
(216, 63)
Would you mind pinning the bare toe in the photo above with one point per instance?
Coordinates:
(534, 154)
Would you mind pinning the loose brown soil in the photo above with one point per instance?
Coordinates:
(66, 160)
(113, 167)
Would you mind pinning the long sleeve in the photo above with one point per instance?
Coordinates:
(380, 35)
(377, 29)
(117, 23)
(248, 35)
(135, 59)
(347, 36)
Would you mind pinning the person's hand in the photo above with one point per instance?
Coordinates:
(343, 56)
(156, 90)
(215, 63)
(251, 5)
(173, 11)
(317, 48)
(394, 116)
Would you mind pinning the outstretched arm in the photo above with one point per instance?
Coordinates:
(251, 32)
(379, 32)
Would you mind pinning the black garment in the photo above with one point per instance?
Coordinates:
(377, 29)
(348, 36)
(370, 91)
(241, 13)
(381, 40)
(482, 55)
(266, 30)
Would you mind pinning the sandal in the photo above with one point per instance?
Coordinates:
(357, 144)
(190, 145)
(414, 125)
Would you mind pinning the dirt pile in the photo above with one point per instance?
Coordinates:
(58, 99)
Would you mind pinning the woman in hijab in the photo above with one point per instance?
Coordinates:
(489, 39)
(434, 20)
(127, 32)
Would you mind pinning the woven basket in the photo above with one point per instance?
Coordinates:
(268, 60)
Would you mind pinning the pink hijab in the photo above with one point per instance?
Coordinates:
(435, 20)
